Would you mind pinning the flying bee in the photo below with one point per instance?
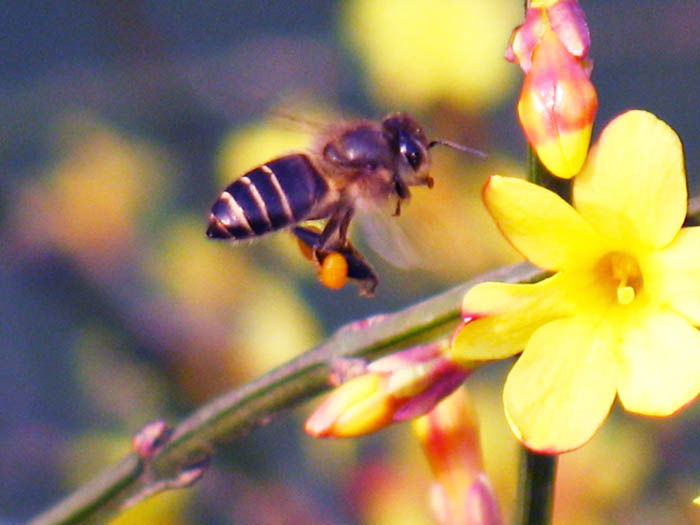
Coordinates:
(352, 167)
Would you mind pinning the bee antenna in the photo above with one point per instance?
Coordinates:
(459, 147)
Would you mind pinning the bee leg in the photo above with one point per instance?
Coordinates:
(313, 239)
(306, 235)
(358, 268)
(344, 225)
(338, 223)
(402, 191)
(329, 230)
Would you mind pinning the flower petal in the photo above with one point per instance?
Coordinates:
(525, 38)
(673, 274)
(561, 389)
(569, 23)
(444, 380)
(632, 187)
(359, 406)
(539, 223)
(659, 363)
(501, 317)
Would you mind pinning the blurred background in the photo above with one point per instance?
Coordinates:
(120, 124)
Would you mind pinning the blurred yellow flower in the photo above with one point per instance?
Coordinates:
(435, 229)
(619, 314)
(193, 270)
(387, 492)
(608, 489)
(90, 201)
(247, 147)
(166, 508)
(274, 326)
(419, 52)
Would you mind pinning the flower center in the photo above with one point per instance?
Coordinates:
(621, 271)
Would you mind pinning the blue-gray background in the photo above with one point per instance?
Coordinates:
(181, 74)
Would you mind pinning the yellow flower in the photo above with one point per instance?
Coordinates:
(619, 314)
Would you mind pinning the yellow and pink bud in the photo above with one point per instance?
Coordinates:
(449, 436)
(402, 386)
(557, 107)
(358, 406)
(558, 102)
(564, 17)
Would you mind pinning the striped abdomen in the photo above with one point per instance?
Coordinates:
(270, 197)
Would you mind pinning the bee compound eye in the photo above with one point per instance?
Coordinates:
(410, 151)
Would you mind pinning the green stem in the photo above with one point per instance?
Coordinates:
(535, 488)
(537, 471)
(538, 174)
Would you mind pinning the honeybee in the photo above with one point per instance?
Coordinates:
(352, 167)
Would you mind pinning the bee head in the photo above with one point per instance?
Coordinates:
(410, 146)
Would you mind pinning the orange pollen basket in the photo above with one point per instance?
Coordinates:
(333, 272)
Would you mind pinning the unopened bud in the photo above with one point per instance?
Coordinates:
(449, 436)
(150, 439)
(557, 107)
(359, 406)
(402, 386)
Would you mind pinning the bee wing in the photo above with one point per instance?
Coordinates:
(386, 237)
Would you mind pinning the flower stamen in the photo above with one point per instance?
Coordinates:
(622, 272)
(625, 294)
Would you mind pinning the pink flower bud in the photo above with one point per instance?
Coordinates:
(449, 435)
(567, 20)
(557, 107)
(397, 387)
